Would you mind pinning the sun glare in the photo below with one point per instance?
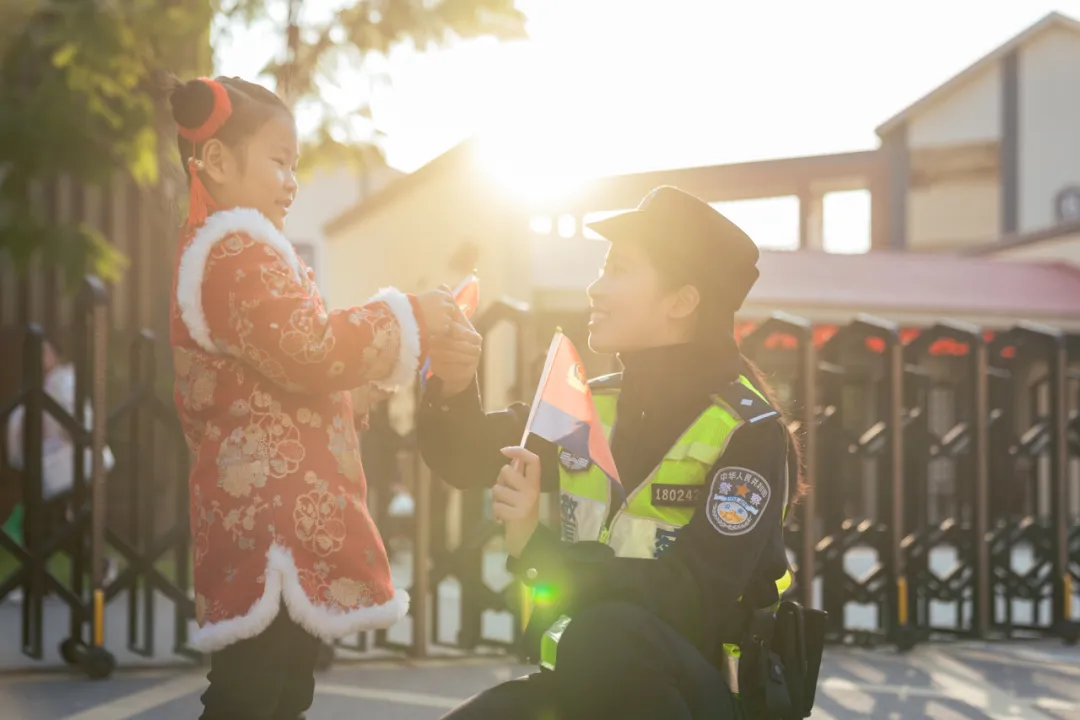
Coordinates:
(533, 168)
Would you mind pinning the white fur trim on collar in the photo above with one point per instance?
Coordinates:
(409, 350)
(283, 582)
(189, 279)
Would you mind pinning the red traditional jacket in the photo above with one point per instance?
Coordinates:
(262, 381)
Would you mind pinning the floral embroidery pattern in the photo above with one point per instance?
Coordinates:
(196, 380)
(346, 448)
(268, 446)
(320, 518)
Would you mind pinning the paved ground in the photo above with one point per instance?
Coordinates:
(1018, 681)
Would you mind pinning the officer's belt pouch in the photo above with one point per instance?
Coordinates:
(763, 685)
(799, 641)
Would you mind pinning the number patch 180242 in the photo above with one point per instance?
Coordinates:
(677, 495)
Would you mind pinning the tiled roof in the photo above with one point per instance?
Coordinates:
(916, 282)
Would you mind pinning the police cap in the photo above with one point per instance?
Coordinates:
(712, 251)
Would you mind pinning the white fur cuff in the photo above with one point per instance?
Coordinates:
(189, 279)
(408, 361)
(283, 583)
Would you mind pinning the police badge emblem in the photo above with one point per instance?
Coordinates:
(572, 462)
(737, 500)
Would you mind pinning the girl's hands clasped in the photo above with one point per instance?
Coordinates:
(516, 498)
(439, 310)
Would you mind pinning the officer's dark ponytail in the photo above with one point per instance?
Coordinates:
(757, 377)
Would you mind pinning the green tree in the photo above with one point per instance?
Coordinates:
(77, 97)
(79, 84)
(324, 46)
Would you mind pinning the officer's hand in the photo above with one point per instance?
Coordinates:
(455, 356)
(516, 498)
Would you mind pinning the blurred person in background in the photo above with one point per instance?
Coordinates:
(57, 454)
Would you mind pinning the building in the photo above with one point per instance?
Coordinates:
(325, 194)
(985, 170)
(993, 152)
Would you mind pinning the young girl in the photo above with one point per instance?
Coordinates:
(285, 551)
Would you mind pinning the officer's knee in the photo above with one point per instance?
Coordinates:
(615, 631)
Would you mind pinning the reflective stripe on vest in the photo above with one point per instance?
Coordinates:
(642, 529)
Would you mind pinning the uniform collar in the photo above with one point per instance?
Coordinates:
(692, 367)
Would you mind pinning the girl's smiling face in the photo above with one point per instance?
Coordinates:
(259, 174)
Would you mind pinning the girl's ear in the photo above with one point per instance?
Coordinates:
(216, 159)
(686, 301)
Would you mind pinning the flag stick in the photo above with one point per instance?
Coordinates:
(540, 385)
(526, 596)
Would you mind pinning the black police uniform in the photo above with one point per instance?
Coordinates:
(646, 636)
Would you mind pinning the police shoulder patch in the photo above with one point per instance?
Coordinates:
(572, 462)
(737, 500)
(747, 404)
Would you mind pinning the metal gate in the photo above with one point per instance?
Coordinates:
(944, 465)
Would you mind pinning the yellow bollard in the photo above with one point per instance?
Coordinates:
(1067, 583)
(99, 618)
(901, 601)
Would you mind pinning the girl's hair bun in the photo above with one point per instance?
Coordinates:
(192, 102)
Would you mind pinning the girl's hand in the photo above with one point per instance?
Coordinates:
(439, 309)
(516, 498)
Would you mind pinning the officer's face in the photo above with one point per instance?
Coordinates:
(630, 308)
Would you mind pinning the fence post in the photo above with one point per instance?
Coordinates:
(34, 583)
(134, 492)
(808, 556)
(980, 419)
(903, 632)
(97, 297)
(421, 558)
(1059, 489)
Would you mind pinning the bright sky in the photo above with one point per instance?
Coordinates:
(614, 86)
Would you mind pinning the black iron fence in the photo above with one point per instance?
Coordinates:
(944, 465)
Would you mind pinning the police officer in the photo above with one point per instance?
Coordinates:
(643, 604)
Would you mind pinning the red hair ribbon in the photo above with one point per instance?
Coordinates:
(200, 202)
(220, 112)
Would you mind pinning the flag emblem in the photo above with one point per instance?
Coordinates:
(564, 414)
(576, 378)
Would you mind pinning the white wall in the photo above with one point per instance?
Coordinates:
(962, 210)
(972, 113)
(1049, 124)
(322, 197)
(953, 214)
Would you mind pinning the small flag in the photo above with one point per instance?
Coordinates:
(563, 411)
(467, 295)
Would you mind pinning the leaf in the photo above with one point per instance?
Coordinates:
(64, 55)
(77, 97)
(144, 164)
